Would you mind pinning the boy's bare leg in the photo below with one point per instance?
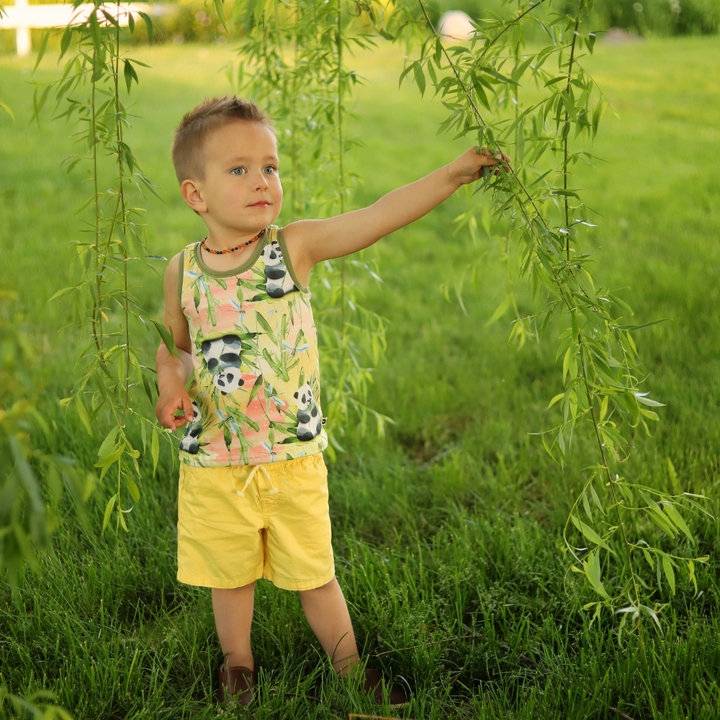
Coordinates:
(233, 618)
(326, 611)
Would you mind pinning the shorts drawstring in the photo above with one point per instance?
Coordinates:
(250, 477)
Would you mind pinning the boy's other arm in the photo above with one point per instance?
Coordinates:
(173, 371)
(318, 240)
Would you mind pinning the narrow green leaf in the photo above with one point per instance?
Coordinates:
(558, 397)
(649, 559)
(133, 488)
(641, 397)
(108, 511)
(65, 41)
(596, 499)
(547, 447)
(669, 572)
(148, 388)
(499, 311)
(108, 443)
(112, 458)
(83, 415)
(661, 520)
(143, 435)
(130, 74)
(419, 77)
(95, 32)
(220, 10)
(42, 48)
(677, 518)
(649, 611)
(404, 73)
(149, 25)
(590, 534)
(566, 362)
(591, 565)
(165, 336)
(155, 448)
(597, 114)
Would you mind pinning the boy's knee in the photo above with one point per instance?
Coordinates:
(327, 586)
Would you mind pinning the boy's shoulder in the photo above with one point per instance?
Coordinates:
(172, 271)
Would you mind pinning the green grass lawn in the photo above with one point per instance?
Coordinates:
(447, 532)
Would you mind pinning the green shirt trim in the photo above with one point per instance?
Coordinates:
(286, 256)
(181, 272)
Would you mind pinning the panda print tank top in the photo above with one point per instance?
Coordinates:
(256, 373)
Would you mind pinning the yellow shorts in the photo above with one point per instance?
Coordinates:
(238, 524)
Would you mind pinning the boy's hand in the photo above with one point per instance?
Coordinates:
(174, 409)
(469, 166)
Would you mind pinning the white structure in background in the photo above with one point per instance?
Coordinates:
(456, 25)
(21, 17)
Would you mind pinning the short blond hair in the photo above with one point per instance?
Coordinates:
(197, 125)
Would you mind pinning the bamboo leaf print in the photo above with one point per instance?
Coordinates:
(266, 327)
(256, 388)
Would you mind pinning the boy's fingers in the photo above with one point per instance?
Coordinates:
(188, 408)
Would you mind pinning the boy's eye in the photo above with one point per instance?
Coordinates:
(238, 171)
(270, 170)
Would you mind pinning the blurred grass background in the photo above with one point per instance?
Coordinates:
(447, 532)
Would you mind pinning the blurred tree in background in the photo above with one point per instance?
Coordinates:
(197, 21)
(661, 17)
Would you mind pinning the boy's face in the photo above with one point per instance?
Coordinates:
(241, 191)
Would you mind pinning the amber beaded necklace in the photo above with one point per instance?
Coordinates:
(229, 250)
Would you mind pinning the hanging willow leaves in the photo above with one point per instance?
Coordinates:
(479, 84)
(90, 90)
(291, 60)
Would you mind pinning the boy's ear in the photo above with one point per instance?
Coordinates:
(192, 195)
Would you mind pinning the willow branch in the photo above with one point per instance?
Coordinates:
(341, 179)
(508, 26)
(566, 132)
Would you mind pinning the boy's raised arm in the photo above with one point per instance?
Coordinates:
(319, 240)
(174, 370)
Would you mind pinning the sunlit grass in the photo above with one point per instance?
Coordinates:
(447, 532)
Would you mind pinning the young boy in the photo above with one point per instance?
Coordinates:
(253, 498)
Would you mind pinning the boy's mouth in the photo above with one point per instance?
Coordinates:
(262, 203)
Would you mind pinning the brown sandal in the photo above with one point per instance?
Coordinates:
(236, 684)
(374, 685)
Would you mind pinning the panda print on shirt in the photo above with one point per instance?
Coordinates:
(308, 415)
(279, 281)
(222, 357)
(190, 442)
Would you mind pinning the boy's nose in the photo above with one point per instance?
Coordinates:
(261, 181)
